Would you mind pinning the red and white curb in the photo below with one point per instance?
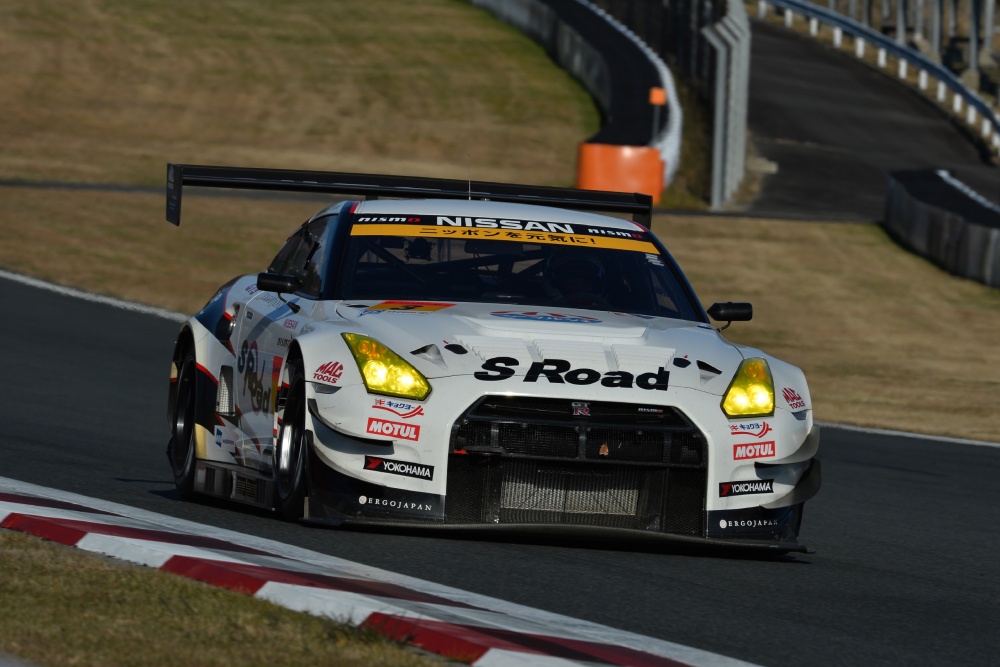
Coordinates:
(482, 631)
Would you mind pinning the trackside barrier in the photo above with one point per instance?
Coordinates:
(708, 44)
(978, 113)
(551, 24)
(940, 218)
(730, 39)
(620, 168)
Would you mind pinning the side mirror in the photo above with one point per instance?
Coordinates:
(731, 311)
(275, 282)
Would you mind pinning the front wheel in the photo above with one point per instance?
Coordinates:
(181, 449)
(291, 449)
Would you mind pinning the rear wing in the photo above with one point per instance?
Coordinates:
(373, 186)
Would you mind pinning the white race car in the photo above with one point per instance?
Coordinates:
(483, 355)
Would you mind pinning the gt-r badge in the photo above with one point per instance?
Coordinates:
(581, 409)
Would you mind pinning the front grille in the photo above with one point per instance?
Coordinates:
(518, 460)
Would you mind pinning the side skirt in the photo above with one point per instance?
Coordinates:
(234, 483)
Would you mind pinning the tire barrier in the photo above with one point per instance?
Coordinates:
(938, 217)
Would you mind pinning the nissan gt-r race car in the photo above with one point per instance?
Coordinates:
(462, 354)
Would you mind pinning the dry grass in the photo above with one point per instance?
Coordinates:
(104, 91)
(115, 614)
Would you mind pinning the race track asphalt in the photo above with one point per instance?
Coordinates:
(906, 531)
(836, 128)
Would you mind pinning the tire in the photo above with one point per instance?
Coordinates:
(291, 449)
(181, 449)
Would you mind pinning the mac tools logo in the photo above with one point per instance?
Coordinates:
(399, 468)
(792, 398)
(728, 489)
(329, 372)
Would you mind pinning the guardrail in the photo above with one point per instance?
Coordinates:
(978, 112)
(636, 148)
(940, 218)
(708, 44)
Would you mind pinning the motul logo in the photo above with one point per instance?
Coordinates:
(399, 468)
(756, 450)
(393, 429)
(329, 372)
(727, 489)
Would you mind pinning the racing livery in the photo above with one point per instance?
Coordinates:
(464, 354)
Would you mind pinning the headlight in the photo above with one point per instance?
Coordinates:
(384, 371)
(751, 393)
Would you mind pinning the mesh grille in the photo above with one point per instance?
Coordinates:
(532, 461)
(224, 400)
(523, 407)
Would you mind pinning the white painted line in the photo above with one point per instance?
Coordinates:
(146, 552)
(93, 298)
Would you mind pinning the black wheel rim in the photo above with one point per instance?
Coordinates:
(289, 451)
(183, 449)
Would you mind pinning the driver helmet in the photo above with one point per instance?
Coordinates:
(573, 272)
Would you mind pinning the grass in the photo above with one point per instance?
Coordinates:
(118, 614)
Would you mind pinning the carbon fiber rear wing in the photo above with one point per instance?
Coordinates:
(373, 186)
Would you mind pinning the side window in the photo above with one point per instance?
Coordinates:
(304, 256)
(282, 262)
(310, 257)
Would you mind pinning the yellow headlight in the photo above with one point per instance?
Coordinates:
(384, 371)
(751, 393)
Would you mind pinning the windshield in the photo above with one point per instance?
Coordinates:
(570, 266)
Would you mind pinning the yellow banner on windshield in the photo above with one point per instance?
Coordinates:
(486, 234)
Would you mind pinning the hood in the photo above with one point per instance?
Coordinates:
(444, 339)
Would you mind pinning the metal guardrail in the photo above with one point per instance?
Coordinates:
(940, 218)
(990, 126)
(708, 44)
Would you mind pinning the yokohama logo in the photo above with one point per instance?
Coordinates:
(329, 372)
(399, 468)
(756, 450)
(393, 429)
(727, 489)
